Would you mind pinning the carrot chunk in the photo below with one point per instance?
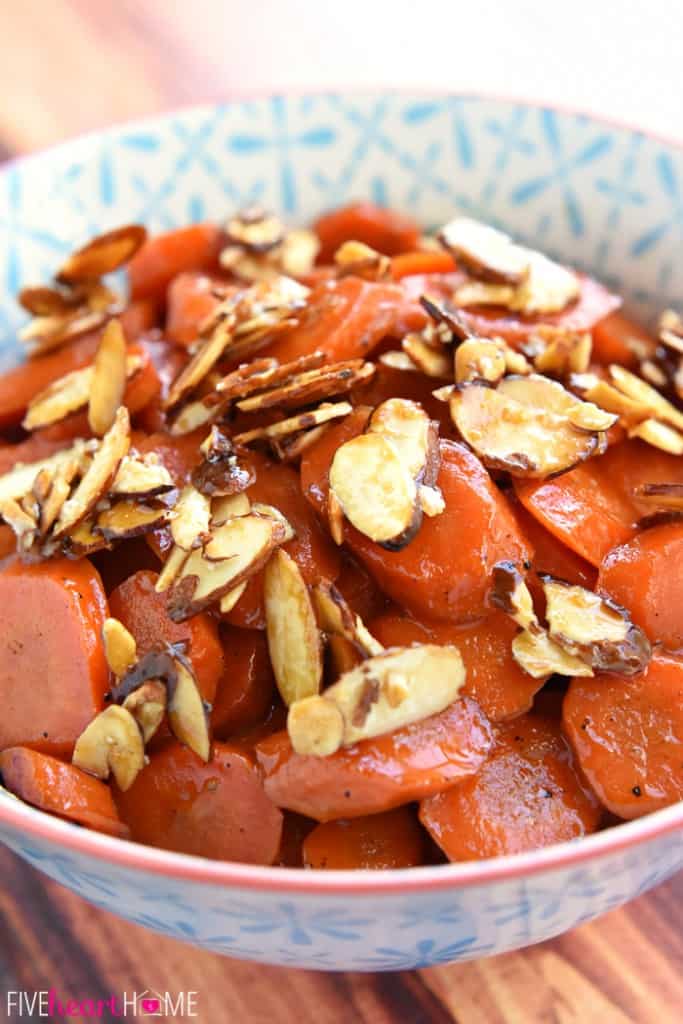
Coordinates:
(60, 789)
(163, 257)
(385, 230)
(217, 810)
(53, 674)
(245, 690)
(190, 302)
(390, 840)
(627, 733)
(527, 795)
(611, 337)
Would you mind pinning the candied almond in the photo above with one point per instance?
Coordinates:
(40, 300)
(111, 743)
(255, 229)
(19, 480)
(147, 705)
(203, 361)
(120, 648)
(511, 594)
(103, 255)
(659, 435)
(485, 252)
(187, 715)
(311, 386)
(432, 361)
(141, 477)
(108, 378)
(295, 424)
(638, 390)
(127, 519)
(480, 359)
(175, 560)
(539, 656)
(291, 628)
(361, 260)
(191, 518)
(396, 360)
(336, 618)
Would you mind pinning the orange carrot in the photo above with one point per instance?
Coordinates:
(60, 789)
(410, 263)
(190, 302)
(245, 690)
(627, 732)
(385, 230)
(163, 257)
(527, 795)
(390, 840)
(611, 337)
(217, 810)
(53, 674)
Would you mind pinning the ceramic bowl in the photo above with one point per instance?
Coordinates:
(606, 198)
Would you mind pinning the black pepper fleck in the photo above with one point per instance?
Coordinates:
(636, 791)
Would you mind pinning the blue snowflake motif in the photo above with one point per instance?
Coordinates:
(453, 107)
(564, 166)
(511, 141)
(331, 922)
(425, 953)
(671, 187)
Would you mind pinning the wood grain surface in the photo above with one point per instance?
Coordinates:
(68, 67)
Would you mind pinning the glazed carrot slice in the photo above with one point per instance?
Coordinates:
(143, 612)
(163, 257)
(295, 828)
(410, 263)
(385, 230)
(217, 810)
(527, 795)
(390, 840)
(245, 690)
(7, 541)
(493, 679)
(444, 572)
(611, 337)
(60, 789)
(359, 590)
(53, 674)
(347, 319)
(180, 455)
(627, 733)
(190, 302)
(552, 557)
(378, 774)
(643, 575)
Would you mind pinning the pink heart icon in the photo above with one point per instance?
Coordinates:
(150, 1005)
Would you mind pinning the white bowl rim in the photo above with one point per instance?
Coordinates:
(126, 854)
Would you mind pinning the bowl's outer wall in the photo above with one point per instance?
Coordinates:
(603, 197)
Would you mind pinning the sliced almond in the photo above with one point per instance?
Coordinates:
(526, 439)
(343, 655)
(191, 518)
(103, 254)
(511, 595)
(659, 435)
(292, 448)
(203, 361)
(140, 478)
(20, 521)
(147, 705)
(99, 476)
(480, 359)
(431, 501)
(667, 497)
(394, 689)
(44, 301)
(46, 333)
(291, 629)
(409, 429)
(376, 490)
(66, 395)
(220, 473)
(432, 361)
(237, 550)
(120, 648)
(108, 379)
(312, 386)
(171, 567)
(288, 532)
(548, 288)
(335, 617)
(594, 629)
(361, 260)
(486, 252)
(187, 716)
(295, 424)
(398, 361)
(83, 540)
(611, 399)
(229, 600)
(128, 519)
(262, 374)
(335, 518)
(298, 252)
(447, 318)
(255, 229)
(635, 388)
(229, 506)
(671, 331)
(539, 656)
(19, 480)
(194, 415)
(111, 743)
(590, 417)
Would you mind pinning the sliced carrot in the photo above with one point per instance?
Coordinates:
(445, 571)
(217, 810)
(163, 257)
(527, 795)
(393, 839)
(143, 612)
(295, 828)
(552, 557)
(627, 733)
(60, 789)
(494, 679)
(359, 590)
(180, 455)
(644, 576)
(347, 319)
(53, 674)
(410, 263)
(385, 230)
(611, 337)
(115, 565)
(7, 541)
(245, 690)
(191, 300)
(378, 774)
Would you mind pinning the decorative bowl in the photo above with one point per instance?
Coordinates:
(604, 197)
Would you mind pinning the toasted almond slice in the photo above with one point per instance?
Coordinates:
(99, 476)
(547, 287)
(202, 362)
(564, 351)
(335, 617)
(103, 254)
(295, 424)
(539, 656)
(220, 473)
(229, 600)
(46, 333)
(659, 435)
(335, 518)
(111, 743)
(141, 477)
(128, 519)
(431, 501)
(270, 512)
(511, 594)
(147, 705)
(66, 395)
(311, 386)
(255, 229)
(298, 252)
(449, 320)
(236, 551)
(265, 373)
(434, 362)
(410, 430)
(396, 360)
(120, 648)
(387, 692)
(194, 415)
(83, 540)
(668, 497)
(19, 519)
(229, 506)
(515, 362)
(486, 252)
(376, 490)
(480, 359)
(635, 388)
(361, 260)
(44, 301)
(594, 629)
(611, 399)
(654, 374)
(292, 448)
(108, 378)
(187, 715)
(191, 518)
(590, 417)
(671, 330)
(174, 562)
(481, 293)
(20, 478)
(527, 440)
(291, 628)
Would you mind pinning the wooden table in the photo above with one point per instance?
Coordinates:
(67, 67)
